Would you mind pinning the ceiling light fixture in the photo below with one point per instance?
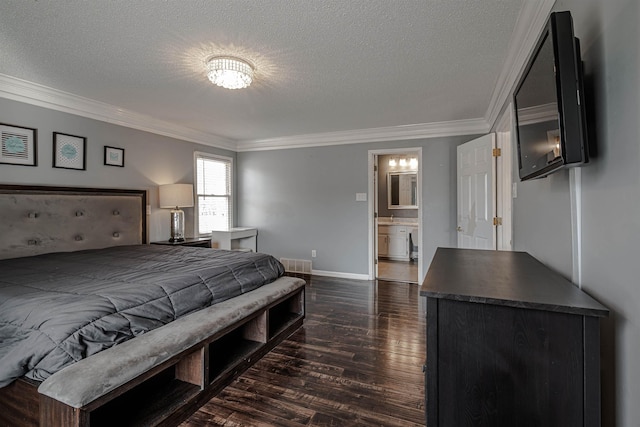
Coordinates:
(229, 72)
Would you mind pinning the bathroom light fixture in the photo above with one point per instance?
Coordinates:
(392, 162)
(403, 162)
(229, 72)
(413, 163)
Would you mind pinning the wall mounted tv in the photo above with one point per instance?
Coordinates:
(549, 103)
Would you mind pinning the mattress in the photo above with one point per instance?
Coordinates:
(58, 308)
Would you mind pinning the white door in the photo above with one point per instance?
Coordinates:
(476, 195)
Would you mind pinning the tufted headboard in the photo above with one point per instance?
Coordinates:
(38, 220)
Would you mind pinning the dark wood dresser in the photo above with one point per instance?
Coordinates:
(509, 343)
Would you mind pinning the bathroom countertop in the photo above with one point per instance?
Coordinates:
(398, 221)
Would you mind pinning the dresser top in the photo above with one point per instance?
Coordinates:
(514, 279)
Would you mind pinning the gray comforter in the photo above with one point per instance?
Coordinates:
(59, 308)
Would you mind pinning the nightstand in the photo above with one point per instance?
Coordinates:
(193, 242)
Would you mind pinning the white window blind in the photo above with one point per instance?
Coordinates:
(213, 191)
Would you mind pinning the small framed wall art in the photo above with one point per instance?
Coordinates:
(113, 156)
(69, 151)
(18, 145)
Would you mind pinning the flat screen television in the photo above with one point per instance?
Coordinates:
(549, 103)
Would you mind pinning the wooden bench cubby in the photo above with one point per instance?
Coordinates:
(237, 344)
(173, 387)
(245, 342)
(164, 392)
(281, 316)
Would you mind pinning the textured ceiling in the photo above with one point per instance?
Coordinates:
(322, 65)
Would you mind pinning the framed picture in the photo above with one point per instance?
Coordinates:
(69, 151)
(18, 145)
(113, 156)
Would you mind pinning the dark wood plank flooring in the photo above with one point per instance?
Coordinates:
(356, 361)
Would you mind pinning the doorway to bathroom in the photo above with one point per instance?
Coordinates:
(395, 214)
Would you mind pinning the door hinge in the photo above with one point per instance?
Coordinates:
(497, 220)
(376, 261)
(375, 168)
(497, 152)
(375, 214)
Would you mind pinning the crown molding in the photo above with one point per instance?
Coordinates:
(391, 133)
(54, 99)
(538, 114)
(531, 20)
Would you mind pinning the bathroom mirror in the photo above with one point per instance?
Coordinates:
(402, 190)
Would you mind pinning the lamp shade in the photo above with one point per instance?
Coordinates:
(176, 195)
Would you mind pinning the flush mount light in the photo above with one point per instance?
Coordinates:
(229, 72)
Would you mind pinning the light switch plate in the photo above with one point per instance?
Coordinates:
(361, 197)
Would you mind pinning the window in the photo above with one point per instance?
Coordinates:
(214, 205)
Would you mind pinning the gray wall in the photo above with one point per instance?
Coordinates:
(304, 198)
(542, 220)
(150, 159)
(610, 197)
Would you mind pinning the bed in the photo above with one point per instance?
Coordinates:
(99, 328)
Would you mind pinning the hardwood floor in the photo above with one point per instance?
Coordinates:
(399, 271)
(356, 361)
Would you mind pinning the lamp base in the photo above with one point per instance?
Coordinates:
(177, 225)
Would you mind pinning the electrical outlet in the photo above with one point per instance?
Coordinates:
(313, 253)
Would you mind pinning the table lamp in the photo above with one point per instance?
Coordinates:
(176, 196)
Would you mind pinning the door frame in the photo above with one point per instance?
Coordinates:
(504, 179)
(373, 207)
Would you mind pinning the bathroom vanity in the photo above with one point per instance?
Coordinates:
(395, 237)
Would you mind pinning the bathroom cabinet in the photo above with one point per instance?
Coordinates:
(393, 242)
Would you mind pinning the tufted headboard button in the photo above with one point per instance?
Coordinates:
(33, 215)
(79, 213)
(79, 238)
(116, 212)
(116, 234)
(33, 242)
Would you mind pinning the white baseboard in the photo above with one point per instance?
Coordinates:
(340, 275)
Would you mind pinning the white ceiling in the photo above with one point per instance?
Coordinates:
(327, 71)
